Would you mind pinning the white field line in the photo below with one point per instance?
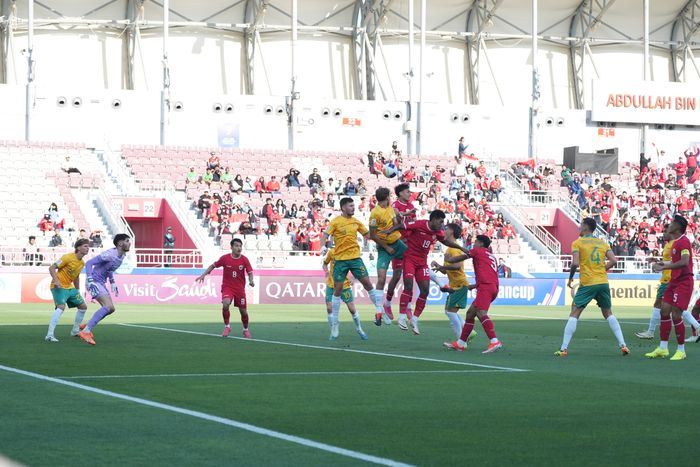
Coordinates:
(212, 418)
(287, 373)
(336, 349)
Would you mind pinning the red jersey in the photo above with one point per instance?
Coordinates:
(402, 207)
(421, 239)
(235, 270)
(679, 246)
(485, 266)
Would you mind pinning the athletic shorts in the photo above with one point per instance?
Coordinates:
(384, 258)
(458, 298)
(97, 289)
(345, 295)
(356, 266)
(662, 288)
(414, 268)
(70, 297)
(586, 293)
(485, 296)
(237, 297)
(397, 263)
(678, 293)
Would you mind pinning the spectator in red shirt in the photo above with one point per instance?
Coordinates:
(46, 224)
(409, 176)
(496, 187)
(213, 161)
(437, 174)
(481, 170)
(682, 203)
(260, 185)
(691, 155)
(508, 232)
(681, 169)
(273, 186)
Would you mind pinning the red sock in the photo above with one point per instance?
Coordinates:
(226, 314)
(467, 329)
(680, 331)
(403, 304)
(665, 329)
(420, 305)
(488, 326)
(244, 318)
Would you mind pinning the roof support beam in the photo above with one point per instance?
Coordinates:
(368, 19)
(6, 11)
(134, 8)
(685, 26)
(254, 16)
(479, 17)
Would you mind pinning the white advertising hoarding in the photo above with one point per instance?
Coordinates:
(645, 102)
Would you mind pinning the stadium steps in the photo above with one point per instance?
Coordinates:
(92, 213)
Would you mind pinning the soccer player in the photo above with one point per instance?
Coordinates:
(346, 296)
(344, 229)
(99, 270)
(65, 287)
(680, 288)
(422, 236)
(590, 254)
(389, 247)
(688, 317)
(486, 276)
(405, 211)
(457, 283)
(236, 266)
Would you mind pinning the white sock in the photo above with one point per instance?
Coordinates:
(79, 315)
(54, 321)
(329, 317)
(663, 345)
(569, 331)
(681, 348)
(461, 343)
(616, 329)
(335, 307)
(454, 323)
(654, 320)
(377, 298)
(690, 319)
(356, 320)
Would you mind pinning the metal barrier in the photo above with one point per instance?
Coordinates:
(145, 257)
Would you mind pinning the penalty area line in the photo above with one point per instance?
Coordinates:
(336, 349)
(212, 418)
(286, 373)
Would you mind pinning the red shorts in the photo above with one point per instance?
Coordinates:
(678, 293)
(416, 268)
(237, 297)
(397, 263)
(485, 296)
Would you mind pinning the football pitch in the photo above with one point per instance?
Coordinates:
(161, 387)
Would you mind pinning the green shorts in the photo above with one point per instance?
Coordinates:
(342, 266)
(70, 297)
(346, 295)
(662, 289)
(384, 258)
(599, 292)
(458, 298)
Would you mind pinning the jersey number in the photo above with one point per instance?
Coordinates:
(426, 243)
(494, 265)
(234, 274)
(595, 256)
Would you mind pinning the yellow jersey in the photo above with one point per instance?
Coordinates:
(383, 219)
(666, 256)
(592, 253)
(456, 278)
(344, 232)
(330, 260)
(68, 270)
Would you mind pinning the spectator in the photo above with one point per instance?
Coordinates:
(361, 188)
(461, 150)
(426, 174)
(292, 212)
(681, 169)
(691, 155)
(248, 187)
(208, 177)
(192, 176)
(213, 161)
(409, 176)
(330, 201)
(272, 228)
(508, 232)
(46, 224)
(82, 235)
(643, 163)
(395, 151)
(281, 208)
(436, 175)
(350, 189)
(302, 239)
(31, 253)
(567, 178)
(368, 160)
(168, 246)
(56, 240)
(96, 239)
(260, 185)
(503, 270)
(56, 218)
(496, 187)
(314, 179)
(266, 211)
(226, 176)
(69, 168)
(292, 178)
(204, 203)
(216, 175)
(273, 186)
(292, 231)
(238, 183)
(482, 170)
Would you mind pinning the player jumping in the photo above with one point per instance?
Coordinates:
(235, 267)
(422, 236)
(99, 270)
(591, 253)
(680, 288)
(65, 287)
(486, 276)
(346, 296)
(389, 247)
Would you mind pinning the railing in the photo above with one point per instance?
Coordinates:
(188, 220)
(145, 257)
(544, 237)
(178, 258)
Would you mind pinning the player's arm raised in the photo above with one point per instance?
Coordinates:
(575, 261)
(206, 273)
(611, 260)
(451, 244)
(458, 258)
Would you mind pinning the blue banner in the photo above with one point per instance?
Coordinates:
(541, 292)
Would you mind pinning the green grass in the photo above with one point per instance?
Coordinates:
(593, 408)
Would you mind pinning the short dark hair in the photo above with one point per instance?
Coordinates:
(486, 241)
(120, 238)
(590, 223)
(236, 240)
(346, 200)
(681, 221)
(437, 214)
(401, 187)
(32, 237)
(455, 228)
(382, 193)
(80, 242)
